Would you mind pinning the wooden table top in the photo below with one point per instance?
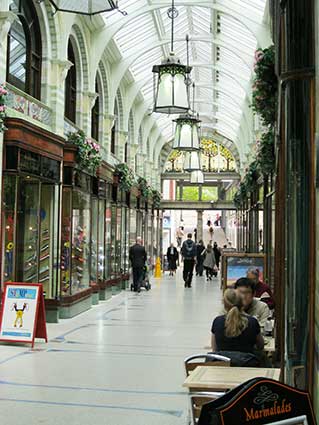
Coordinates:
(225, 378)
(269, 345)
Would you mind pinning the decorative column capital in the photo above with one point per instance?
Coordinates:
(63, 67)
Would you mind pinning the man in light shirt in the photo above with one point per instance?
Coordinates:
(252, 306)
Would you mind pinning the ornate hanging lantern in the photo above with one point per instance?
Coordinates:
(192, 161)
(187, 133)
(197, 177)
(88, 7)
(170, 79)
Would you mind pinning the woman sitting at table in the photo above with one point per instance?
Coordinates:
(235, 331)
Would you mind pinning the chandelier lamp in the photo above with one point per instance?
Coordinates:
(170, 79)
(88, 7)
(197, 177)
(192, 161)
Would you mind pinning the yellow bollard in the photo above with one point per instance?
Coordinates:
(158, 270)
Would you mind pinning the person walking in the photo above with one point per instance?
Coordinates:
(211, 232)
(189, 255)
(209, 261)
(138, 257)
(179, 236)
(172, 257)
(217, 253)
(200, 247)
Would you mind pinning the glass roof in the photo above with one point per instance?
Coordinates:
(222, 46)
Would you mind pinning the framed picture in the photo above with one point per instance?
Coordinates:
(235, 266)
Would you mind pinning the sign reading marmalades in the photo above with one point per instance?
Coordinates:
(23, 316)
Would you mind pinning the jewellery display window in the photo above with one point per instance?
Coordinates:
(94, 240)
(76, 234)
(113, 244)
(30, 226)
(132, 229)
(125, 239)
(101, 241)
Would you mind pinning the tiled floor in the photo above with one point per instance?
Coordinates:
(120, 363)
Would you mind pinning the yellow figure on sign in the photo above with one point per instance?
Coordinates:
(19, 314)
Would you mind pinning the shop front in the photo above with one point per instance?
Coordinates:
(31, 207)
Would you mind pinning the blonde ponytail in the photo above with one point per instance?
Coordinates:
(236, 321)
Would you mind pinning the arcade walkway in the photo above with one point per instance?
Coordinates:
(121, 363)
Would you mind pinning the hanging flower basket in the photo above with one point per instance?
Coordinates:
(88, 155)
(3, 107)
(126, 177)
(144, 187)
(157, 197)
(251, 177)
(265, 87)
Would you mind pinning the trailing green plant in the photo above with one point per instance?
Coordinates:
(88, 154)
(266, 152)
(144, 187)
(251, 176)
(265, 87)
(3, 106)
(240, 195)
(157, 197)
(125, 175)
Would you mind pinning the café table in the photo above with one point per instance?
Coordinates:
(269, 347)
(220, 378)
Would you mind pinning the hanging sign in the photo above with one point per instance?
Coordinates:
(23, 313)
(259, 402)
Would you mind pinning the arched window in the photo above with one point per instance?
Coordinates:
(126, 152)
(95, 113)
(114, 128)
(25, 49)
(70, 87)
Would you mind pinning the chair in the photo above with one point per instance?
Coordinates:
(197, 400)
(195, 360)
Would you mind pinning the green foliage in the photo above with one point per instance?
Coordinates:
(144, 187)
(190, 193)
(266, 153)
(88, 154)
(265, 86)
(209, 193)
(157, 197)
(126, 177)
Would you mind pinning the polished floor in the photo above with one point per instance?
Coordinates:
(121, 363)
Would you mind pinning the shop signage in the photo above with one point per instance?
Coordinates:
(23, 313)
(235, 266)
(260, 402)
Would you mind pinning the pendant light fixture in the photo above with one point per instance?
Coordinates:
(170, 79)
(197, 177)
(187, 125)
(88, 7)
(192, 161)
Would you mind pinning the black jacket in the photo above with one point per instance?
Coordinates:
(189, 249)
(137, 256)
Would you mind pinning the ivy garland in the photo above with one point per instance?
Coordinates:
(157, 197)
(144, 187)
(3, 106)
(126, 176)
(88, 155)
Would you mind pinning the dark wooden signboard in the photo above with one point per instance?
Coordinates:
(260, 402)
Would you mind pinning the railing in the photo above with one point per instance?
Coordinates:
(28, 106)
(69, 127)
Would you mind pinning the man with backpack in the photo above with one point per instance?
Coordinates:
(189, 255)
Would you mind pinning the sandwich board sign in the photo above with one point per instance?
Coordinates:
(23, 313)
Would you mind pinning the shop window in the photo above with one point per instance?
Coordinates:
(190, 193)
(95, 114)
(70, 87)
(25, 49)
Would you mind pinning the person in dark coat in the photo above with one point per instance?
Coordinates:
(138, 259)
(217, 253)
(189, 255)
(200, 247)
(172, 257)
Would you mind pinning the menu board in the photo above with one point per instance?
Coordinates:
(23, 313)
(236, 265)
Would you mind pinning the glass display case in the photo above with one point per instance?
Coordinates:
(94, 240)
(125, 234)
(31, 220)
(108, 241)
